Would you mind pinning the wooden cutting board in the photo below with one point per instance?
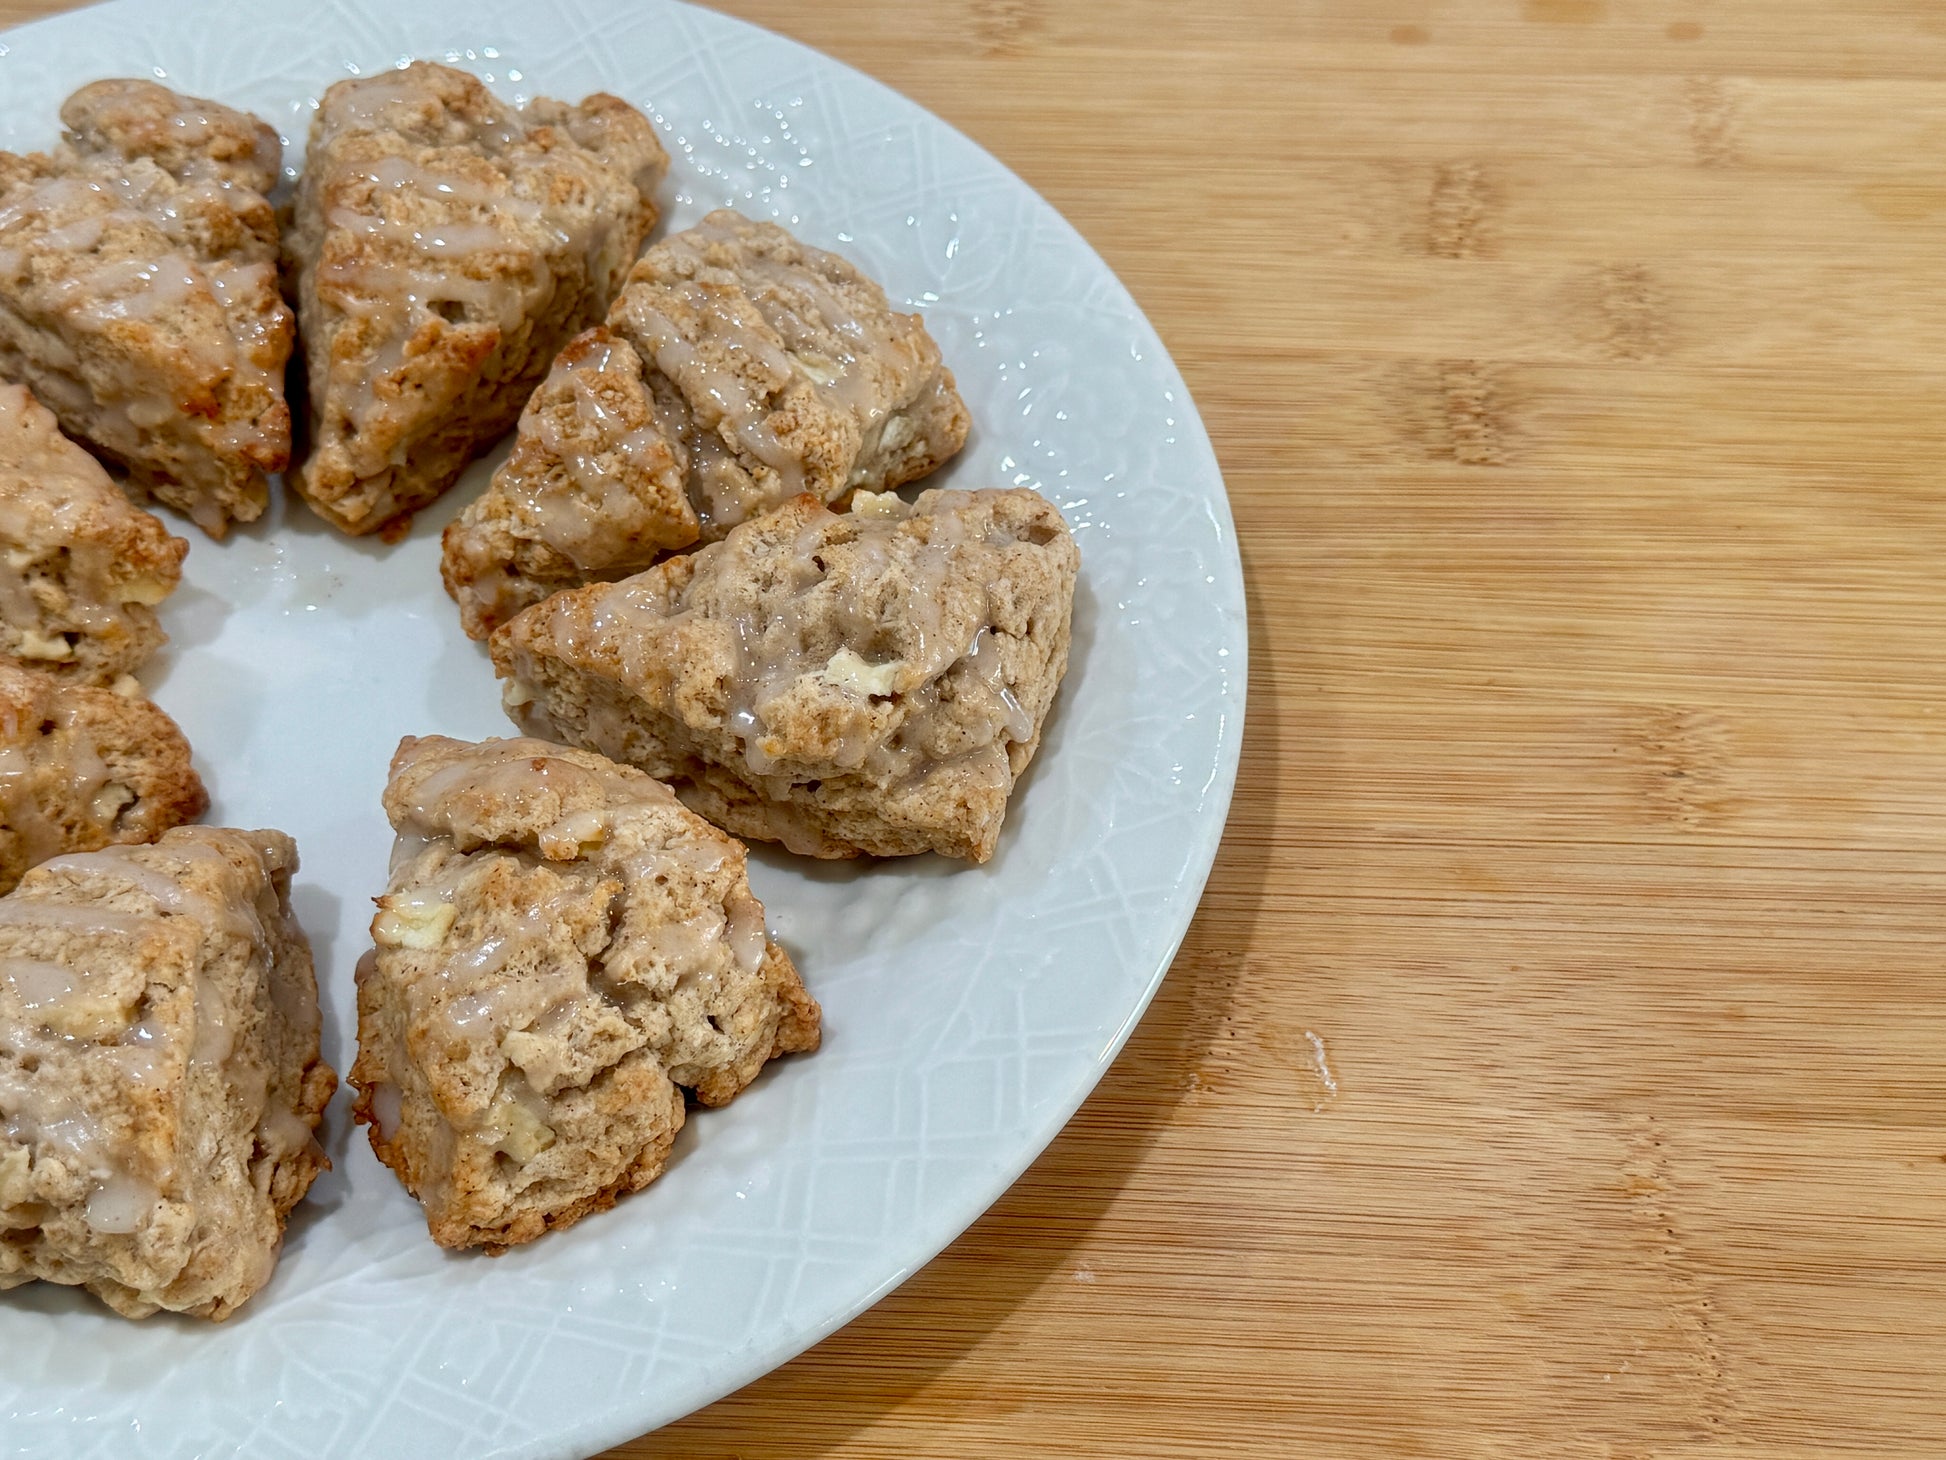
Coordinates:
(1557, 1067)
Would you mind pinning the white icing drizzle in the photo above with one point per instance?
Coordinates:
(121, 1198)
(746, 934)
(63, 768)
(422, 223)
(739, 465)
(512, 979)
(121, 1203)
(93, 214)
(726, 408)
(783, 642)
(37, 984)
(576, 517)
(388, 1107)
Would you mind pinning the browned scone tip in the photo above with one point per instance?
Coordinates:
(161, 1083)
(738, 368)
(444, 246)
(139, 297)
(83, 767)
(870, 683)
(562, 951)
(83, 566)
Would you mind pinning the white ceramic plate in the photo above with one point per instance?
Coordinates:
(968, 1010)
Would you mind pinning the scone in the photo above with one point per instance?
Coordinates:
(160, 1081)
(138, 293)
(82, 767)
(592, 491)
(782, 369)
(83, 567)
(444, 247)
(864, 684)
(563, 951)
(768, 367)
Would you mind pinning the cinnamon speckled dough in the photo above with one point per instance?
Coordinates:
(445, 246)
(782, 369)
(138, 293)
(81, 567)
(160, 1078)
(81, 767)
(739, 368)
(593, 490)
(562, 952)
(871, 683)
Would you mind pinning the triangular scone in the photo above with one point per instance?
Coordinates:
(138, 293)
(82, 768)
(783, 369)
(160, 1077)
(81, 567)
(563, 950)
(871, 683)
(445, 247)
(771, 368)
(593, 490)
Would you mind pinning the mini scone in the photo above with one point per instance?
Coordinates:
(780, 368)
(563, 951)
(83, 767)
(862, 684)
(138, 293)
(160, 1078)
(81, 567)
(444, 247)
(592, 491)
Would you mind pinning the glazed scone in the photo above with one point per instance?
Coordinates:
(593, 491)
(864, 684)
(780, 368)
(563, 951)
(444, 247)
(160, 1079)
(81, 567)
(138, 293)
(738, 369)
(82, 767)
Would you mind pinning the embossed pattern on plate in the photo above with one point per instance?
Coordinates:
(968, 1010)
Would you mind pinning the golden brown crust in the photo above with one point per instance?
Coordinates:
(563, 950)
(444, 247)
(160, 1075)
(82, 767)
(865, 684)
(80, 565)
(138, 294)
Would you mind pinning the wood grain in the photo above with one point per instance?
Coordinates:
(1555, 1065)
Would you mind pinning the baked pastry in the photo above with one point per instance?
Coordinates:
(138, 293)
(768, 368)
(592, 490)
(563, 951)
(782, 369)
(81, 767)
(160, 1080)
(864, 684)
(444, 247)
(81, 567)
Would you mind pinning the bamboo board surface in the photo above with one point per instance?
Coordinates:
(1555, 1066)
